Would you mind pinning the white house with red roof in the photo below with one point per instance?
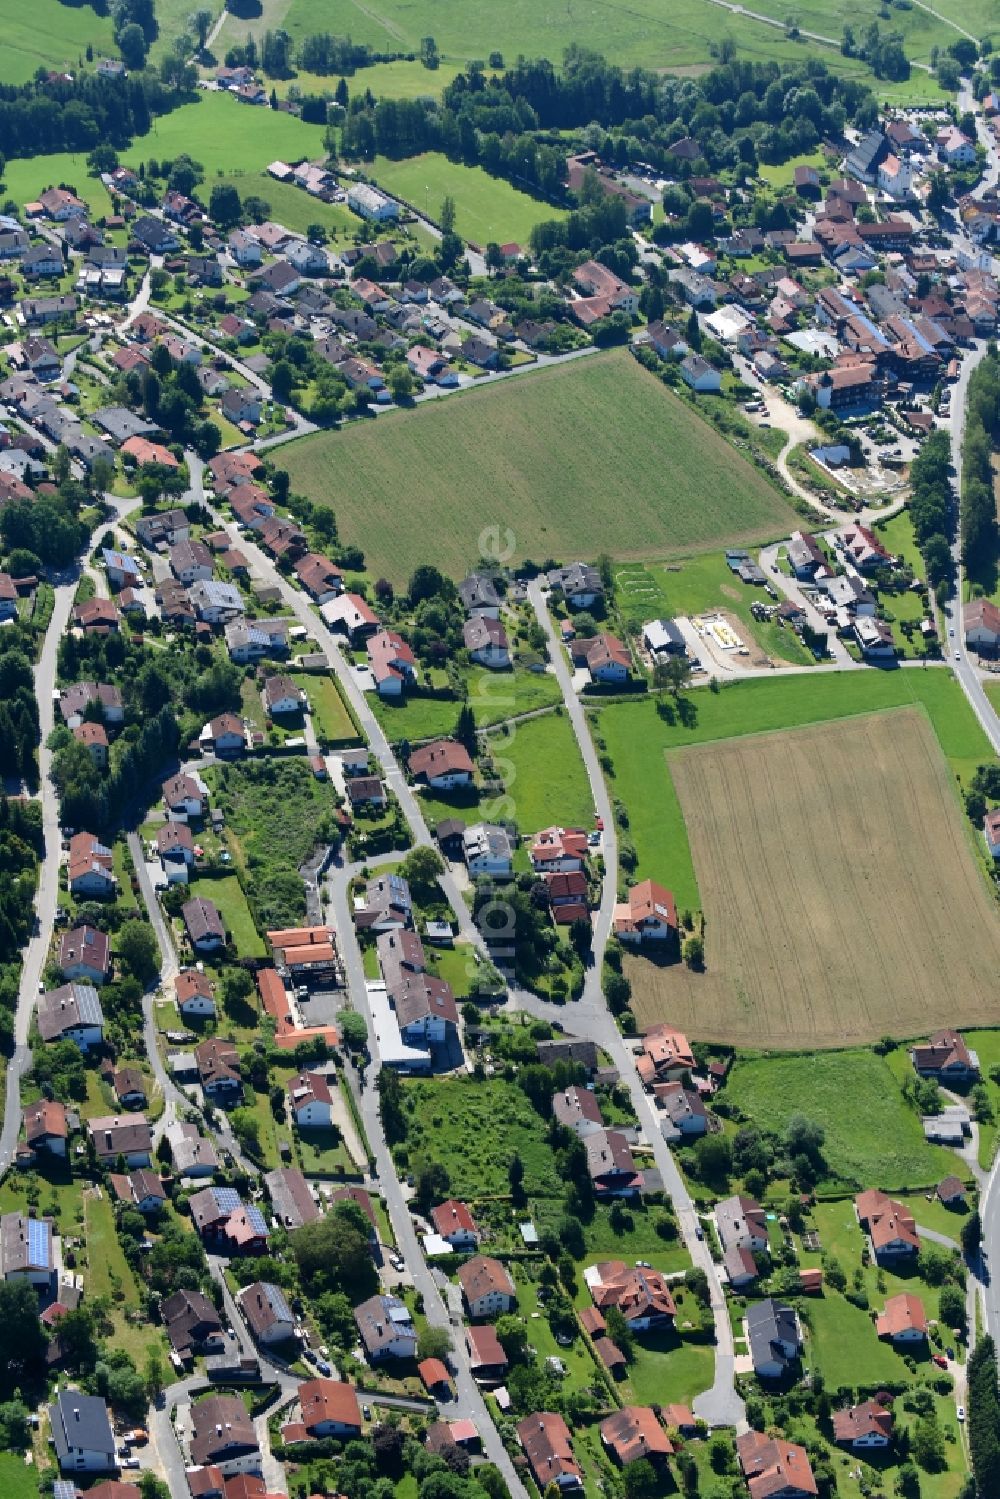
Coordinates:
(648, 915)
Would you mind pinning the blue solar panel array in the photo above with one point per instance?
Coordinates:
(227, 1199)
(255, 1218)
(39, 1242)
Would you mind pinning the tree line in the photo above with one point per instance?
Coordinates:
(739, 113)
(931, 510)
(980, 538)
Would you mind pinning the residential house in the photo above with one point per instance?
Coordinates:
(633, 1433)
(386, 1329)
(487, 1360)
(71, 1013)
(369, 203)
(863, 1427)
(487, 1287)
(27, 1252)
(228, 1224)
(142, 1190)
(184, 797)
(903, 1320)
(291, 1197)
(610, 1165)
(223, 1436)
(579, 583)
(281, 696)
(442, 764)
(773, 1335)
(85, 955)
(951, 1192)
(604, 656)
(702, 377)
(351, 615)
(454, 1223)
(267, 1313)
(310, 1100)
(218, 1064)
(128, 1136)
(203, 925)
(216, 603)
(191, 562)
(742, 1223)
(545, 1441)
(890, 1226)
(488, 851)
(223, 736)
(193, 1155)
(81, 1431)
(479, 596)
(641, 1295)
(684, 1109)
(740, 1267)
(981, 622)
(192, 1324)
(486, 641)
(391, 662)
(558, 850)
(947, 1058)
(175, 847)
(46, 1127)
(321, 578)
(774, 1468)
(649, 915)
(576, 1108)
(386, 905)
(129, 1087)
(94, 738)
(329, 1408)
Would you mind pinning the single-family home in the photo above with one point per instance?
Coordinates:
(203, 925)
(610, 1164)
(46, 1127)
(291, 1198)
(889, 1225)
(191, 1323)
(648, 915)
(128, 1136)
(90, 872)
(184, 797)
(558, 850)
(223, 736)
(329, 1408)
(194, 993)
(85, 955)
(641, 1294)
(548, 1448)
(267, 1313)
(488, 851)
(863, 1427)
(391, 662)
(223, 1436)
(71, 1013)
(218, 1064)
(310, 1100)
(386, 1329)
(947, 1058)
(442, 764)
(774, 1468)
(774, 1338)
(281, 696)
(81, 1433)
(576, 1108)
(903, 1319)
(742, 1223)
(453, 1222)
(486, 641)
(700, 375)
(487, 1286)
(634, 1432)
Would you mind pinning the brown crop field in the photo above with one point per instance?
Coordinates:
(591, 456)
(841, 893)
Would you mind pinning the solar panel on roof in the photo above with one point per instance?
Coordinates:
(227, 1199)
(39, 1243)
(255, 1218)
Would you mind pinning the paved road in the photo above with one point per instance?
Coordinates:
(720, 1405)
(47, 898)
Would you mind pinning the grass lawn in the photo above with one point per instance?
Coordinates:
(669, 1370)
(561, 476)
(987, 1045)
(580, 1367)
(635, 736)
(781, 175)
(293, 207)
(474, 1128)
(494, 697)
(25, 178)
(331, 717)
(632, 32)
(108, 1267)
(18, 1479)
(842, 1342)
(50, 35)
(544, 774)
(226, 137)
(486, 208)
(873, 1137)
(228, 896)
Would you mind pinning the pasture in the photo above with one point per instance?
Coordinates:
(49, 34)
(841, 894)
(590, 456)
(226, 138)
(486, 208)
(873, 1137)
